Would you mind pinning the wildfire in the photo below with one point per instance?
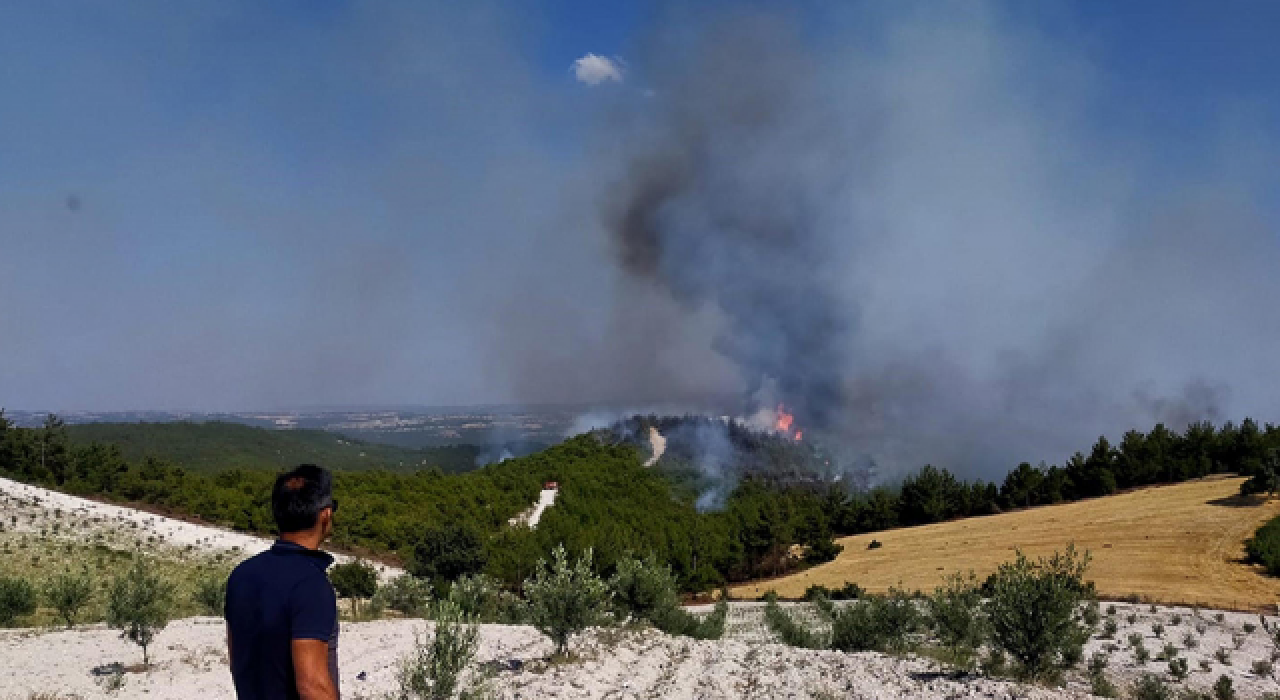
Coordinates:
(784, 421)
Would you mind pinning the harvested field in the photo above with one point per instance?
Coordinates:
(1174, 544)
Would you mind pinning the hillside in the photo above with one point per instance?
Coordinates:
(1181, 543)
(216, 446)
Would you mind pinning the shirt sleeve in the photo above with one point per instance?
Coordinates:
(313, 609)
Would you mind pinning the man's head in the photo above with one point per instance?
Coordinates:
(302, 500)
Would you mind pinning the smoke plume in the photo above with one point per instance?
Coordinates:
(917, 259)
(722, 203)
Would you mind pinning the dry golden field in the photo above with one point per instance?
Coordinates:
(1173, 544)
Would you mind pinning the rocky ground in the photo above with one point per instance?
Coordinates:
(190, 661)
(1214, 643)
(54, 516)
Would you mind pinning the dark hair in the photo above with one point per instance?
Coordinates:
(299, 495)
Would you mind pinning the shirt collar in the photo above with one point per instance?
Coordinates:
(319, 558)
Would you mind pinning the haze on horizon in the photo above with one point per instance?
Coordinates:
(1017, 226)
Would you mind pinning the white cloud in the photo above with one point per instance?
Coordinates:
(593, 70)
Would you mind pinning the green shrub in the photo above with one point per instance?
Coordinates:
(1223, 655)
(955, 613)
(815, 591)
(476, 595)
(856, 628)
(850, 591)
(1179, 669)
(1264, 547)
(355, 579)
(512, 609)
(1098, 662)
(1099, 684)
(826, 609)
(433, 670)
(822, 550)
(1150, 687)
(875, 544)
(68, 593)
(1111, 610)
(995, 664)
(876, 623)
(789, 630)
(1034, 612)
(1109, 629)
(1263, 667)
(565, 598)
(712, 626)
(442, 555)
(211, 593)
(139, 604)
(1190, 641)
(676, 621)
(17, 599)
(643, 588)
(407, 594)
(1223, 688)
(1158, 630)
(1140, 654)
(1091, 614)
(1102, 686)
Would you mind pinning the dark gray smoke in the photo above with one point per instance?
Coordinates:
(722, 202)
(918, 252)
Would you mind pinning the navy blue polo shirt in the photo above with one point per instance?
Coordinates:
(274, 598)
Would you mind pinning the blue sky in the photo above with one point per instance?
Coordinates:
(320, 203)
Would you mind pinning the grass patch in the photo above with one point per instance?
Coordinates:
(38, 559)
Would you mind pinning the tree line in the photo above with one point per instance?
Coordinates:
(449, 525)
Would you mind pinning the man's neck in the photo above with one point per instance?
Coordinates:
(310, 539)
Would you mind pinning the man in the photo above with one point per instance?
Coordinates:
(281, 611)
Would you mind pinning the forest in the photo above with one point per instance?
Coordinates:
(216, 445)
(609, 501)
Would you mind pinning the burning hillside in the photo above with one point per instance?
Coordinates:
(715, 453)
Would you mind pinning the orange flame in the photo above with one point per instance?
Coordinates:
(784, 421)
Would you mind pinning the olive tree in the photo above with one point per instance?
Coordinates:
(1035, 611)
(955, 612)
(68, 593)
(17, 599)
(211, 593)
(355, 580)
(433, 670)
(139, 604)
(565, 597)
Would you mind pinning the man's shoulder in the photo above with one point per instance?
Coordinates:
(264, 567)
(254, 562)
